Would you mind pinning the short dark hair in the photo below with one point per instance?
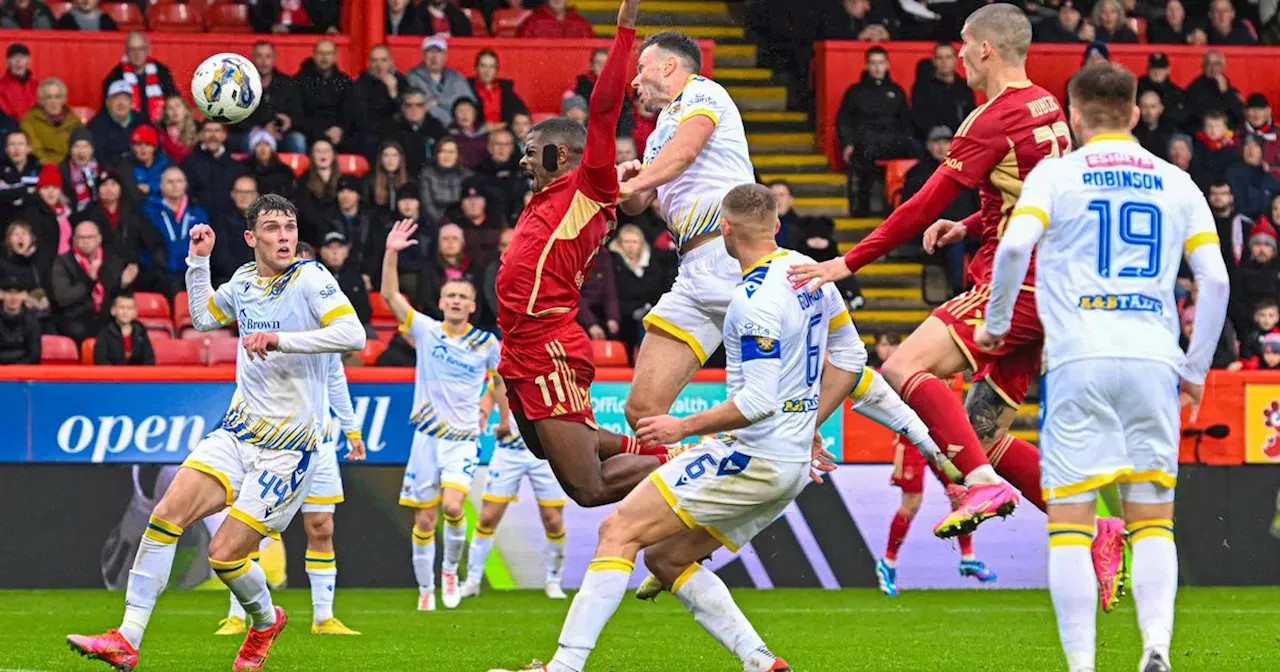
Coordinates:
(305, 250)
(412, 91)
(876, 50)
(891, 335)
(211, 122)
(487, 52)
(264, 43)
(1215, 114)
(1219, 183)
(122, 294)
(1105, 94)
(679, 44)
(562, 131)
(268, 203)
(779, 183)
(1265, 303)
(943, 45)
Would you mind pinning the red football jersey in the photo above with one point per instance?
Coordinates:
(562, 229)
(994, 149)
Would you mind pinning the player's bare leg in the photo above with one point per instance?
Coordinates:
(192, 496)
(229, 552)
(663, 368)
(424, 555)
(1149, 512)
(672, 556)
(455, 539)
(572, 450)
(322, 573)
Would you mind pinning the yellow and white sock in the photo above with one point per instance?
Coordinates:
(455, 539)
(1073, 585)
(248, 583)
(708, 599)
(235, 610)
(553, 556)
(150, 574)
(424, 559)
(1155, 580)
(322, 572)
(478, 553)
(602, 589)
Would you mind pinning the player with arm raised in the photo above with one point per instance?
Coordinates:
(548, 360)
(261, 460)
(1112, 222)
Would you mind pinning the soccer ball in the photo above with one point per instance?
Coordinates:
(226, 88)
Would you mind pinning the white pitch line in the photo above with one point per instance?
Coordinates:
(482, 611)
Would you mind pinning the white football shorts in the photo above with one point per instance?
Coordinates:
(731, 495)
(511, 464)
(265, 488)
(435, 464)
(326, 488)
(1106, 421)
(693, 309)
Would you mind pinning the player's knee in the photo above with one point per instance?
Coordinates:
(224, 549)
(616, 532)
(635, 408)
(319, 527)
(909, 508)
(425, 519)
(897, 370)
(552, 519)
(452, 509)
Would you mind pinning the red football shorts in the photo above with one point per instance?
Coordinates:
(910, 467)
(1010, 368)
(550, 379)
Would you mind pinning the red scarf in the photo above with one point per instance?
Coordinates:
(99, 293)
(1228, 140)
(128, 345)
(292, 13)
(81, 181)
(63, 214)
(150, 88)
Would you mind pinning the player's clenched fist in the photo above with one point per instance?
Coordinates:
(201, 240)
(401, 235)
(261, 343)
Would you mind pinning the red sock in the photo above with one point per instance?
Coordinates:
(1019, 463)
(897, 534)
(966, 546)
(940, 409)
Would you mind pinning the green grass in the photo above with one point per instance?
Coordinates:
(817, 631)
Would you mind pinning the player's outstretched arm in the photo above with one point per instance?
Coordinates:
(1204, 256)
(340, 402)
(398, 239)
(209, 310)
(504, 407)
(600, 151)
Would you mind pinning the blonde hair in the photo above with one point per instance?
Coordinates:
(1096, 16)
(187, 131)
(1007, 29)
(751, 204)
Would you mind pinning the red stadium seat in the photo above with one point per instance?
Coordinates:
(207, 336)
(83, 113)
(895, 175)
(223, 350)
(126, 15)
(372, 350)
(86, 351)
(155, 325)
(507, 21)
(159, 334)
(299, 163)
(352, 164)
(478, 29)
(385, 334)
(226, 17)
(151, 304)
(381, 316)
(172, 352)
(58, 350)
(181, 311)
(1139, 26)
(59, 7)
(175, 19)
(609, 353)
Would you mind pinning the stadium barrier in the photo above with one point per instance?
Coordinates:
(839, 64)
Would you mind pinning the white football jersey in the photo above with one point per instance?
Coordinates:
(281, 402)
(1117, 222)
(690, 204)
(769, 318)
(452, 372)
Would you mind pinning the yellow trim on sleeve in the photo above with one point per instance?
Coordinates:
(1091, 483)
(671, 500)
(611, 564)
(1034, 212)
(249, 520)
(222, 478)
(344, 309)
(353, 435)
(407, 323)
(332, 499)
(217, 313)
(684, 577)
(654, 320)
(865, 379)
(1202, 238)
(700, 112)
(839, 320)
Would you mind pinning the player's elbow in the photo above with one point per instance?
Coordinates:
(589, 496)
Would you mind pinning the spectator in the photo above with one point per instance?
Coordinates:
(1063, 27)
(1258, 124)
(506, 180)
(1213, 91)
(555, 18)
(401, 352)
(852, 20)
(22, 258)
(1224, 28)
(335, 254)
(1268, 357)
(646, 121)
(376, 93)
(1232, 226)
(85, 15)
(1266, 317)
(280, 109)
(941, 99)
(18, 174)
(1182, 155)
(441, 17)
(150, 81)
(113, 125)
(1157, 79)
(230, 227)
(1252, 183)
(442, 180)
(49, 216)
(575, 108)
(449, 263)
(316, 194)
(810, 233)
(49, 124)
(1256, 285)
(487, 317)
(887, 343)
(326, 97)
(520, 125)
(126, 233)
(265, 166)
(585, 85)
(354, 222)
(417, 132)
(283, 17)
(402, 19)
(473, 139)
(26, 15)
(18, 90)
(641, 275)
(1224, 357)
(19, 327)
(178, 132)
(212, 171)
(873, 123)
(598, 311)
(1172, 28)
(80, 171)
(412, 259)
(479, 231)
(146, 162)
(496, 98)
(85, 280)
(388, 179)
(1109, 23)
(624, 149)
(1153, 130)
(444, 86)
(123, 340)
(173, 215)
(1216, 147)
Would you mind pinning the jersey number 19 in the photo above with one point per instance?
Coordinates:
(1127, 217)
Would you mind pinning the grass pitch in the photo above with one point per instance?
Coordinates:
(816, 631)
